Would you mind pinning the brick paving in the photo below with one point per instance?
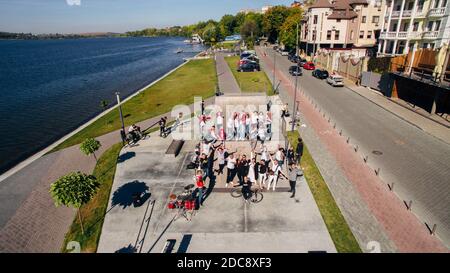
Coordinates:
(402, 227)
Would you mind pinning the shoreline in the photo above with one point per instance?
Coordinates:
(24, 163)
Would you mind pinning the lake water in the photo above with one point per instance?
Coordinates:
(50, 87)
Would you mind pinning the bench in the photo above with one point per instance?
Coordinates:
(175, 147)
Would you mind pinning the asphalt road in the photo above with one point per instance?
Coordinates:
(418, 163)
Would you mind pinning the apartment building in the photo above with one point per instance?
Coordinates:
(412, 24)
(341, 24)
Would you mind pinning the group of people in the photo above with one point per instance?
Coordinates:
(263, 173)
(239, 126)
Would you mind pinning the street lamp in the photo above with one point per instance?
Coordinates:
(294, 113)
(120, 110)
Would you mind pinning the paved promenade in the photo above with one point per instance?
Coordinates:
(227, 82)
(29, 220)
(402, 227)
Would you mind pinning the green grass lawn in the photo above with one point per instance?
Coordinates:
(340, 232)
(93, 213)
(250, 81)
(196, 78)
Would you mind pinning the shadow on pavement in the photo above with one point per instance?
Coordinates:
(126, 156)
(133, 193)
(127, 249)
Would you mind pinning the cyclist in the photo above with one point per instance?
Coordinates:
(247, 189)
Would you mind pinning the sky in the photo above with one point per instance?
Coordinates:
(81, 16)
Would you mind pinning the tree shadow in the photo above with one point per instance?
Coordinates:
(127, 249)
(133, 193)
(126, 156)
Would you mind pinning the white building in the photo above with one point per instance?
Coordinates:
(412, 24)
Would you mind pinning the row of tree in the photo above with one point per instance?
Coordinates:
(278, 24)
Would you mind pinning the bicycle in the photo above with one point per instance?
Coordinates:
(256, 197)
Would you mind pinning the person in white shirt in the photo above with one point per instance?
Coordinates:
(274, 172)
(230, 128)
(219, 121)
(236, 126)
(254, 119)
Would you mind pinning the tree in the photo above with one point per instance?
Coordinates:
(74, 190)
(249, 31)
(90, 146)
(226, 25)
(104, 104)
(273, 19)
(288, 31)
(210, 33)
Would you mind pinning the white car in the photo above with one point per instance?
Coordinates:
(335, 80)
(284, 53)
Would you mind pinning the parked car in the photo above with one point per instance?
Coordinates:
(246, 55)
(320, 74)
(284, 53)
(336, 80)
(309, 66)
(293, 58)
(252, 58)
(249, 67)
(295, 70)
(301, 62)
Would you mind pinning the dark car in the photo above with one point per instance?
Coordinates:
(295, 70)
(293, 58)
(249, 67)
(246, 55)
(320, 74)
(309, 66)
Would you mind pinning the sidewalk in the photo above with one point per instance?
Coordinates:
(227, 82)
(414, 117)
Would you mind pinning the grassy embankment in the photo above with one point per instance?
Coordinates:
(93, 213)
(338, 228)
(250, 81)
(196, 78)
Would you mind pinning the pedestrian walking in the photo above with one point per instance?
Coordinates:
(162, 126)
(290, 156)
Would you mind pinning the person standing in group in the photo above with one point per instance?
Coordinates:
(242, 121)
(247, 125)
(299, 150)
(265, 156)
(236, 126)
(261, 171)
(252, 172)
(221, 155)
(219, 122)
(242, 168)
(290, 156)
(230, 128)
(274, 173)
(199, 184)
(293, 173)
(231, 169)
(279, 156)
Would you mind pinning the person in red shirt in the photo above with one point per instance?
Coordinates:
(200, 184)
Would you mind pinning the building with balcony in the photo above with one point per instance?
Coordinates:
(412, 24)
(341, 24)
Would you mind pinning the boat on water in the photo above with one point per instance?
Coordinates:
(195, 39)
(178, 51)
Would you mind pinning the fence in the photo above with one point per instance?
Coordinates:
(346, 66)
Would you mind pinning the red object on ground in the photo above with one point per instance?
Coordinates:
(187, 205)
(309, 66)
(171, 205)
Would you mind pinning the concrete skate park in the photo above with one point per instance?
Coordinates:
(223, 224)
